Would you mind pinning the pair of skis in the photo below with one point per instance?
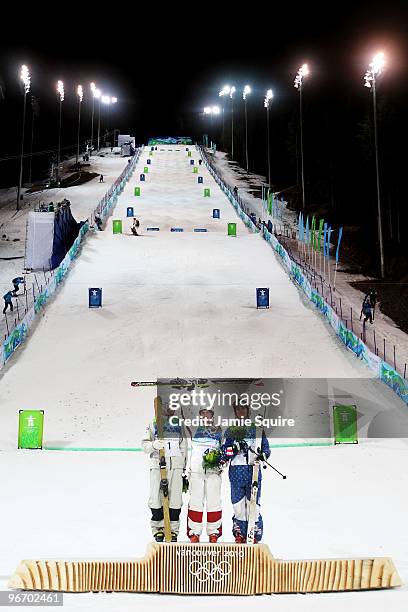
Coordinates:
(164, 482)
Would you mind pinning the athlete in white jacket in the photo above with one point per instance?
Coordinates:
(205, 480)
(175, 445)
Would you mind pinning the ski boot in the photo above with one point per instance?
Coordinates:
(159, 536)
(239, 539)
(194, 538)
(213, 538)
(173, 536)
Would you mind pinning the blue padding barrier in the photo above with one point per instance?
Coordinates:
(200, 229)
(177, 229)
(152, 229)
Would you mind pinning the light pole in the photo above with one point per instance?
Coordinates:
(26, 79)
(61, 93)
(97, 95)
(108, 100)
(267, 103)
(231, 94)
(370, 80)
(225, 91)
(34, 114)
(113, 101)
(93, 90)
(298, 83)
(80, 93)
(247, 90)
(211, 110)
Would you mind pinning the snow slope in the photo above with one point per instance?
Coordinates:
(183, 304)
(175, 304)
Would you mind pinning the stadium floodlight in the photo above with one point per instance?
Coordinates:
(267, 103)
(114, 100)
(207, 110)
(375, 68)
(247, 90)
(268, 98)
(105, 99)
(26, 79)
(298, 84)
(80, 94)
(225, 91)
(61, 95)
(232, 91)
(93, 90)
(215, 110)
(60, 90)
(301, 74)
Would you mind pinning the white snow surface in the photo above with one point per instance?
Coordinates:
(183, 304)
(84, 199)
(174, 304)
(341, 502)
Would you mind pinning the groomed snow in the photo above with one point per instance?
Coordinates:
(174, 304)
(183, 305)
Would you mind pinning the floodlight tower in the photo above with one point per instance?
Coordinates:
(298, 83)
(246, 92)
(375, 68)
(267, 104)
(26, 79)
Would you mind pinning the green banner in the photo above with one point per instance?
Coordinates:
(232, 229)
(313, 232)
(189, 154)
(137, 191)
(146, 169)
(195, 169)
(150, 153)
(30, 428)
(345, 424)
(207, 192)
(117, 226)
(319, 238)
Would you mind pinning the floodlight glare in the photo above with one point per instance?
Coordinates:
(268, 98)
(25, 77)
(97, 93)
(302, 72)
(60, 90)
(215, 110)
(80, 93)
(114, 100)
(207, 110)
(375, 68)
(232, 91)
(93, 87)
(225, 91)
(105, 99)
(247, 90)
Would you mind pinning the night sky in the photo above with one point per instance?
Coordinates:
(165, 70)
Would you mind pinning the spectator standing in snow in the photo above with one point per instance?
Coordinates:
(101, 178)
(8, 301)
(19, 280)
(98, 222)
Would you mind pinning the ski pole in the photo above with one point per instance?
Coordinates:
(267, 462)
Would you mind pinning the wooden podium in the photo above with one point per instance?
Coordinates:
(207, 569)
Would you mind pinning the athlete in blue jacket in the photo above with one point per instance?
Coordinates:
(242, 445)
